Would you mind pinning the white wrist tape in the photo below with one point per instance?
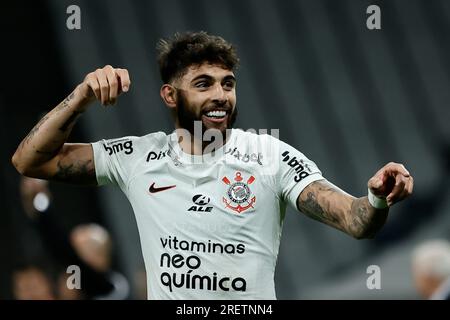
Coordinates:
(377, 202)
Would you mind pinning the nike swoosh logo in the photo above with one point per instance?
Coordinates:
(153, 189)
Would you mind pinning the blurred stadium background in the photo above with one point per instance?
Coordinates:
(350, 98)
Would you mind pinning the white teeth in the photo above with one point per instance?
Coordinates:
(218, 114)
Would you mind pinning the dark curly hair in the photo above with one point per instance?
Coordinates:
(175, 55)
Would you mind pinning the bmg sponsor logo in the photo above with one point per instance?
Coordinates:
(117, 147)
(298, 165)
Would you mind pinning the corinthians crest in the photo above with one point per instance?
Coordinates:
(240, 198)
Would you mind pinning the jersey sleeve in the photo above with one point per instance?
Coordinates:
(114, 160)
(295, 172)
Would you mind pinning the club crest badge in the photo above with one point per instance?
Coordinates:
(240, 197)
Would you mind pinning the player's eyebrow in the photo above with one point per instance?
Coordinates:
(230, 77)
(210, 78)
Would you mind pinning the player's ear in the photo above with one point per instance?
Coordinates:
(168, 94)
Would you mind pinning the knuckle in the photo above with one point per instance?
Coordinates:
(90, 81)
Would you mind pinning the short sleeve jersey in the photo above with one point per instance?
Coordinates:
(210, 225)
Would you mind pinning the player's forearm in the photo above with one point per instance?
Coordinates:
(47, 137)
(364, 220)
(323, 201)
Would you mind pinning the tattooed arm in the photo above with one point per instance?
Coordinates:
(44, 152)
(323, 201)
(326, 203)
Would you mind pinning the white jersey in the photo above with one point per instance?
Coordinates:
(209, 226)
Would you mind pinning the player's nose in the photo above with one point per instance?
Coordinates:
(219, 95)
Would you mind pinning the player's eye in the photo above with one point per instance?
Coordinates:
(202, 84)
(229, 85)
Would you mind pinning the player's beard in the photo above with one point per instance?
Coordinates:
(187, 116)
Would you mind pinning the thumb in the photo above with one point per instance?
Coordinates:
(375, 184)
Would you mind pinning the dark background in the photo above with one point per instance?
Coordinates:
(350, 98)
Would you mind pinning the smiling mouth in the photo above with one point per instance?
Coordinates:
(216, 114)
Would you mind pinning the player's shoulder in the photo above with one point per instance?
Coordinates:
(157, 139)
(135, 145)
(265, 145)
(252, 136)
(254, 141)
(257, 149)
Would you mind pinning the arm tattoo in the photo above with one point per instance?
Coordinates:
(318, 202)
(65, 103)
(35, 129)
(313, 209)
(69, 121)
(63, 128)
(324, 202)
(366, 220)
(77, 172)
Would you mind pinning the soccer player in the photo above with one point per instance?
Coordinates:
(209, 200)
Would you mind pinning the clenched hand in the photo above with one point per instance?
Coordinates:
(392, 182)
(105, 84)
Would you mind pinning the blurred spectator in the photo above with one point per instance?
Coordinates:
(63, 291)
(30, 282)
(92, 243)
(140, 282)
(431, 269)
(88, 246)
